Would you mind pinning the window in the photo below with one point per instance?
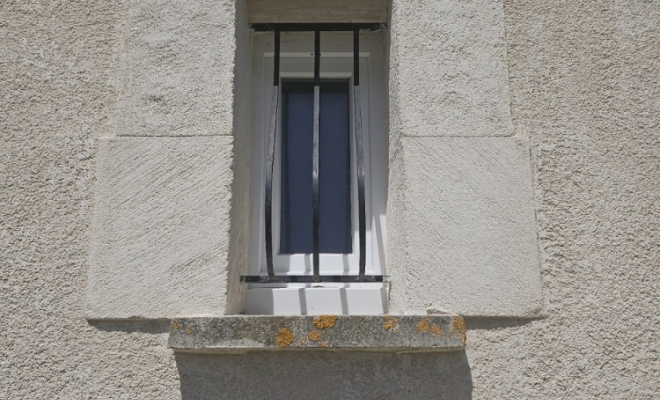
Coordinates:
(296, 165)
(303, 219)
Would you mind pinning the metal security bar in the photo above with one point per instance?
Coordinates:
(315, 156)
(359, 148)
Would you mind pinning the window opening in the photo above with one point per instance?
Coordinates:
(328, 97)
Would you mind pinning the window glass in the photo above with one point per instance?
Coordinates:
(335, 229)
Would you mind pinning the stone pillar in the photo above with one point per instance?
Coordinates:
(461, 223)
(161, 231)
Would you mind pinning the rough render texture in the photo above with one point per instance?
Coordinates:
(161, 227)
(58, 84)
(585, 92)
(465, 228)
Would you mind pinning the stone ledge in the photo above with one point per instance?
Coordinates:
(401, 333)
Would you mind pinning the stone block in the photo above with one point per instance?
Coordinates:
(462, 228)
(308, 11)
(160, 230)
(400, 333)
(177, 69)
(448, 69)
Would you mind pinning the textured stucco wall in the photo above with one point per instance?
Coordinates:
(58, 84)
(584, 90)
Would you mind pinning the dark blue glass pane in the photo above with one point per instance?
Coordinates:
(334, 168)
(296, 189)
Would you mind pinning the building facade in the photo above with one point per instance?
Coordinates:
(513, 152)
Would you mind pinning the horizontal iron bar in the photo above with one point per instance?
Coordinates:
(295, 27)
(310, 278)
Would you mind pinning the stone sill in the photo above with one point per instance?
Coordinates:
(242, 333)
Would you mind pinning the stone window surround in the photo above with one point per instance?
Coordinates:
(472, 136)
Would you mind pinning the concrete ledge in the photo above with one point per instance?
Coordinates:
(264, 332)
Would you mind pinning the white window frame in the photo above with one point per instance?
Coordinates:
(296, 62)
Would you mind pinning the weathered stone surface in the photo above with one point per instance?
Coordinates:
(160, 232)
(464, 228)
(448, 71)
(307, 11)
(177, 70)
(388, 332)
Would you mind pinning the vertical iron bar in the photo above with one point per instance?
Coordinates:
(270, 159)
(356, 57)
(315, 170)
(359, 150)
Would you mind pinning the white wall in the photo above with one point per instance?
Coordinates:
(584, 90)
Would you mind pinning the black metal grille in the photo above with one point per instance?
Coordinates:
(359, 147)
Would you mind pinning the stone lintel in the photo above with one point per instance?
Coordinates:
(240, 333)
(317, 11)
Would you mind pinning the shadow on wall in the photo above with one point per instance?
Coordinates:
(325, 375)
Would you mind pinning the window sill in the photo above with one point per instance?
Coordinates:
(240, 333)
(322, 298)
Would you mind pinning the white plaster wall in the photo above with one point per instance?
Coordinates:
(583, 78)
(59, 65)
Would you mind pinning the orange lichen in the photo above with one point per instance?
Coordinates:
(284, 337)
(390, 324)
(314, 336)
(323, 344)
(458, 326)
(190, 330)
(175, 326)
(423, 325)
(325, 321)
(436, 331)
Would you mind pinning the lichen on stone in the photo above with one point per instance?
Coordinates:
(436, 331)
(423, 325)
(390, 324)
(458, 326)
(325, 321)
(284, 337)
(314, 336)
